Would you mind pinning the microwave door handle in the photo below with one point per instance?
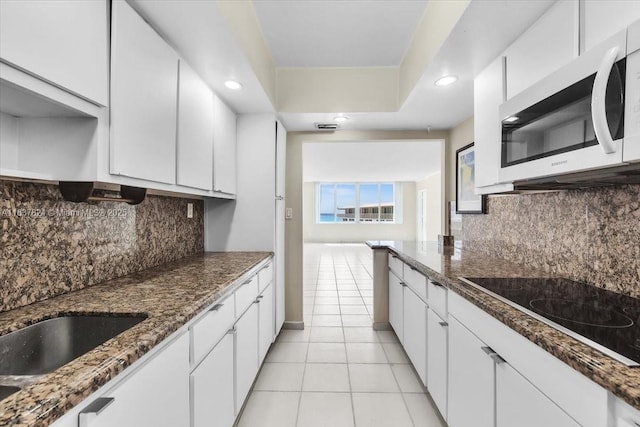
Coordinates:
(598, 102)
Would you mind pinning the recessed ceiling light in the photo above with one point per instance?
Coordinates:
(233, 85)
(341, 119)
(446, 80)
(512, 119)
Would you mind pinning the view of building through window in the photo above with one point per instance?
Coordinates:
(356, 202)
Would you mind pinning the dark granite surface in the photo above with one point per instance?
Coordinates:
(170, 294)
(447, 264)
(50, 247)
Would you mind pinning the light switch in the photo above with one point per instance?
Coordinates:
(288, 213)
(189, 210)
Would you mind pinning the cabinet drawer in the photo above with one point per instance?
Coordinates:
(416, 281)
(438, 298)
(396, 265)
(246, 294)
(265, 276)
(206, 332)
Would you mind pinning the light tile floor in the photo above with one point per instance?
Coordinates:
(338, 371)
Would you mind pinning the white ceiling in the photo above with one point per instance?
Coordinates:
(338, 33)
(485, 30)
(375, 161)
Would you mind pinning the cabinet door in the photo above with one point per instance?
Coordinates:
(156, 395)
(195, 131)
(488, 94)
(604, 18)
(415, 332)
(471, 380)
(246, 353)
(396, 306)
(265, 329)
(550, 43)
(437, 331)
(224, 148)
(144, 98)
(212, 387)
(519, 403)
(64, 42)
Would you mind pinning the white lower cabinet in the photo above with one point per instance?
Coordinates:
(437, 356)
(396, 314)
(155, 395)
(485, 390)
(415, 331)
(246, 353)
(519, 403)
(471, 379)
(212, 400)
(265, 327)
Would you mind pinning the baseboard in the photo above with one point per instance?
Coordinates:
(381, 326)
(296, 325)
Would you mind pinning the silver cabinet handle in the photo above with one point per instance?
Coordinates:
(438, 284)
(257, 301)
(394, 257)
(413, 268)
(488, 350)
(265, 267)
(216, 307)
(496, 358)
(279, 198)
(403, 284)
(93, 410)
(246, 282)
(443, 324)
(232, 331)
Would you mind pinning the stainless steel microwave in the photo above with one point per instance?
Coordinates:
(584, 116)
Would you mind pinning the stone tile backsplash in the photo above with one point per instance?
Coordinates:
(49, 246)
(587, 235)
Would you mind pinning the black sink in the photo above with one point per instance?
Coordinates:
(47, 345)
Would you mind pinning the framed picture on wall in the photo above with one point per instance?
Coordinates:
(467, 202)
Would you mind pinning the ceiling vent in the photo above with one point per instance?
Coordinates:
(326, 126)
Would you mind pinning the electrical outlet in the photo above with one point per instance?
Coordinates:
(288, 213)
(189, 210)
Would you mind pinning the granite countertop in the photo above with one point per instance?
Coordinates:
(170, 295)
(447, 264)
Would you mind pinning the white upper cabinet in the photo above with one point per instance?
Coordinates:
(604, 18)
(144, 98)
(224, 148)
(550, 43)
(63, 42)
(488, 91)
(195, 130)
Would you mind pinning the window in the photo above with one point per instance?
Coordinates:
(356, 203)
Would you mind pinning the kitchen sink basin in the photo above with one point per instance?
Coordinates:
(47, 345)
(7, 390)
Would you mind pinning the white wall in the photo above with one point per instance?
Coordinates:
(359, 233)
(433, 187)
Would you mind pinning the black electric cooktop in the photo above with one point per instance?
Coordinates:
(603, 319)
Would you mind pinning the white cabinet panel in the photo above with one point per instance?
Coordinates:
(471, 380)
(144, 91)
(265, 328)
(195, 131)
(246, 294)
(64, 42)
(550, 43)
(437, 353)
(224, 148)
(604, 18)
(212, 387)
(396, 265)
(415, 332)
(155, 395)
(246, 353)
(211, 327)
(488, 90)
(396, 305)
(416, 281)
(519, 403)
